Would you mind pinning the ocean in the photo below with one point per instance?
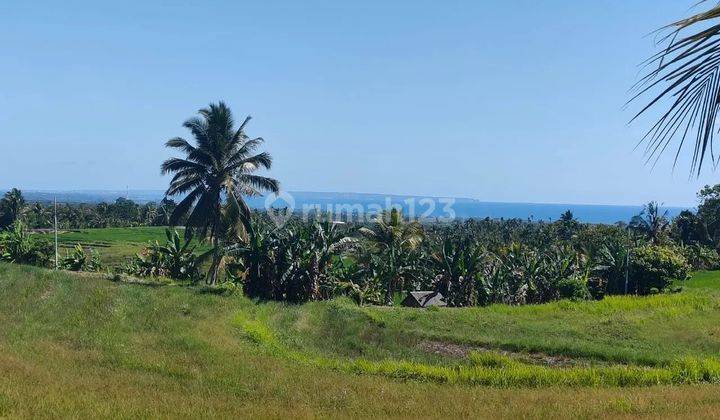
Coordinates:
(433, 207)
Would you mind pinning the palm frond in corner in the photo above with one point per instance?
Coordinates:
(685, 75)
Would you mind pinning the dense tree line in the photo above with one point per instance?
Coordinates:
(121, 213)
(471, 262)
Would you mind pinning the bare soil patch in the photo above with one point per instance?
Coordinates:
(461, 351)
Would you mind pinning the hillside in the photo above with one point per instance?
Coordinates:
(81, 345)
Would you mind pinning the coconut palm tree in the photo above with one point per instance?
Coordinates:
(12, 207)
(214, 176)
(41, 216)
(650, 222)
(392, 238)
(684, 77)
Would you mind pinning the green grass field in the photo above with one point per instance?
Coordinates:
(114, 245)
(80, 345)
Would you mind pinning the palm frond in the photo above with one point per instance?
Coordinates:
(199, 129)
(184, 206)
(180, 143)
(193, 153)
(260, 183)
(252, 163)
(246, 191)
(368, 233)
(243, 151)
(686, 75)
(343, 244)
(203, 216)
(183, 185)
(177, 164)
(240, 133)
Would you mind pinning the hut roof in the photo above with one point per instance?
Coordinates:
(424, 299)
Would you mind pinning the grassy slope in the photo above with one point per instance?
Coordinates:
(84, 346)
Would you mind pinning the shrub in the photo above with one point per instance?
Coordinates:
(79, 260)
(175, 259)
(17, 246)
(610, 267)
(656, 267)
(701, 257)
(597, 287)
(574, 288)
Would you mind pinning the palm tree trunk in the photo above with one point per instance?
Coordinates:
(215, 267)
(315, 278)
(389, 291)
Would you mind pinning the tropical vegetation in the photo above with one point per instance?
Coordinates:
(214, 176)
(470, 262)
(542, 301)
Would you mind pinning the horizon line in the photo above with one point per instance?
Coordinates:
(161, 191)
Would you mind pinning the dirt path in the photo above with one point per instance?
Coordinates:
(462, 351)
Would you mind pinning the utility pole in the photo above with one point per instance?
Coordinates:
(56, 236)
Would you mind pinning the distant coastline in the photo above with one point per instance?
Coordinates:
(463, 207)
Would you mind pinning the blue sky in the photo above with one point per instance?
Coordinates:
(513, 100)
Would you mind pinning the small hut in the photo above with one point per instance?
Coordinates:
(424, 299)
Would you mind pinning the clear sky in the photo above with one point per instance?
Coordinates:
(502, 100)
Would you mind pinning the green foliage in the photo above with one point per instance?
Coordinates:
(651, 223)
(458, 259)
(702, 227)
(17, 246)
(214, 175)
(680, 78)
(12, 208)
(393, 244)
(298, 263)
(611, 265)
(690, 228)
(656, 267)
(174, 259)
(518, 274)
(79, 260)
(701, 257)
(567, 226)
(473, 262)
(708, 215)
(350, 279)
(574, 288)
(120, 213)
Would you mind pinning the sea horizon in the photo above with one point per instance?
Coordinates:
(462, 207)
